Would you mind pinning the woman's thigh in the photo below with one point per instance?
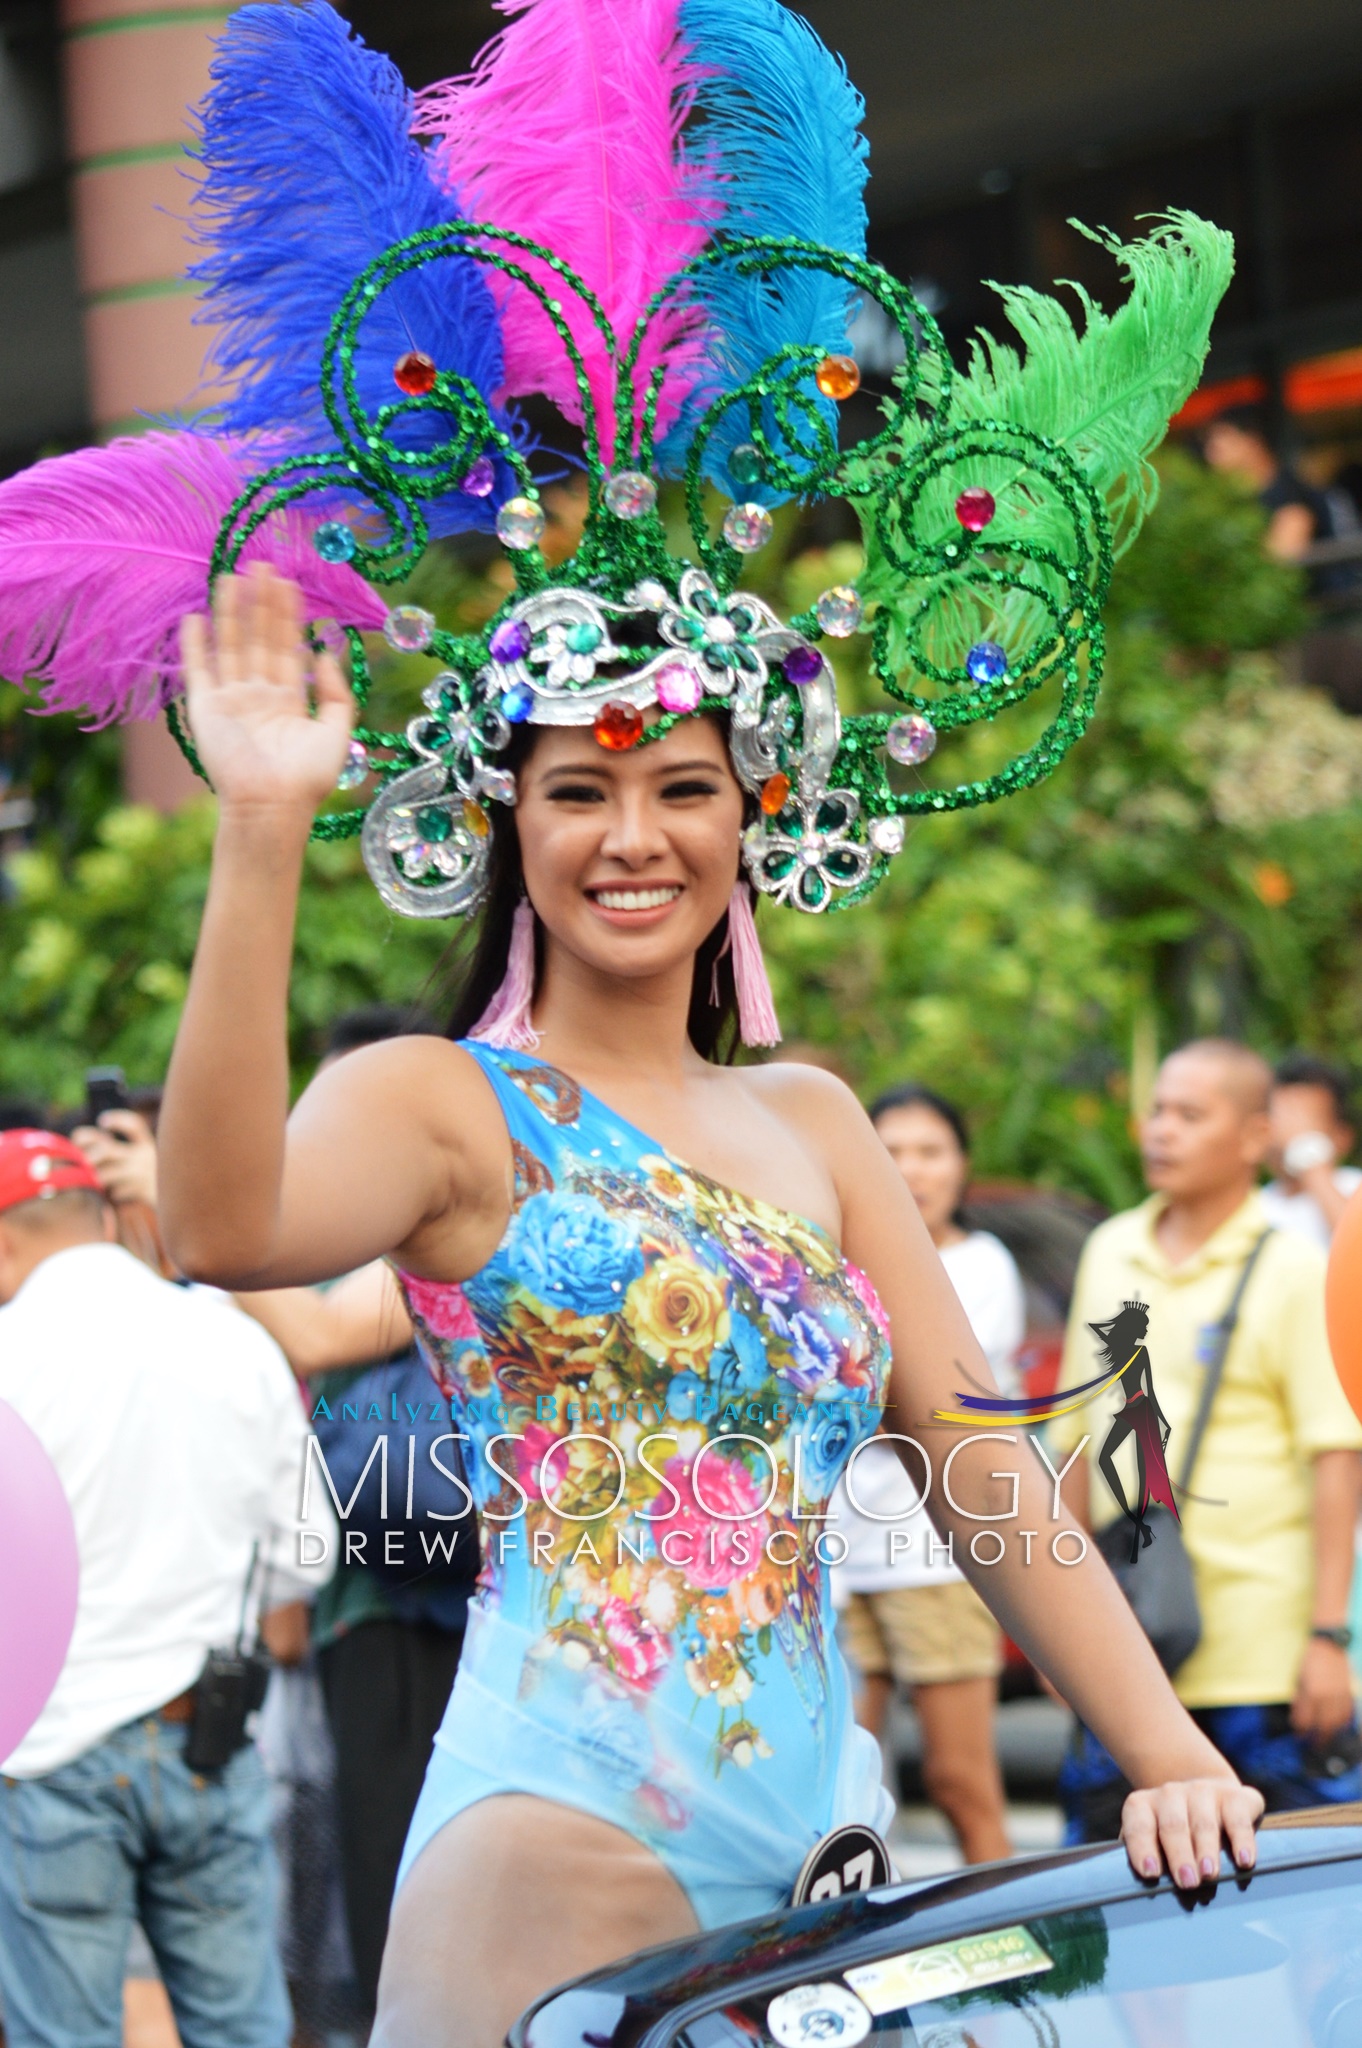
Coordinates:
(511, 1897)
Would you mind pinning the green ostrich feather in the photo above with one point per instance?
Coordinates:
(1101, 397)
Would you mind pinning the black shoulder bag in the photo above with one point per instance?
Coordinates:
(1158, 1581)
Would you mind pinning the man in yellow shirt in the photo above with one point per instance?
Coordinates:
(1269, 1526)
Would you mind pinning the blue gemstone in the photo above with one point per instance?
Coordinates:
(335, 542)
(517, 703)
(511, 641)
(986, 663)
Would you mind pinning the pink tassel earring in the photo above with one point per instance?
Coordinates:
(506, 1020)
(757, 1020)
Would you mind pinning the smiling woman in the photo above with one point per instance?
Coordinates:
(598, 806)
(605, 1232)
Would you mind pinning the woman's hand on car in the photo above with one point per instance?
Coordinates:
(1181, 1825)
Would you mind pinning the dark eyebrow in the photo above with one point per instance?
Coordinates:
(602, 769)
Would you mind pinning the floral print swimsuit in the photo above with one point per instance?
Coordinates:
(658, 1381)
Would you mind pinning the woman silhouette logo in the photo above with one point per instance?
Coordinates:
(1121, 1341)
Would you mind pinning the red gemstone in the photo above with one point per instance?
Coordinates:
(618, 726)
(414, 373)
(974, 508)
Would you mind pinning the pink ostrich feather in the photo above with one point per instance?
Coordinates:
(568, 131)
(101, 552)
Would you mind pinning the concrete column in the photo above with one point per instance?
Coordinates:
(133, 73)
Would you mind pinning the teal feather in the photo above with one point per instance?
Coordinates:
(778, 129)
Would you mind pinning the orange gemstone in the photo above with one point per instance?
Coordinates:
(476, 818)
(837, 377)
(775, 794)
(414, 373)
(618, 726)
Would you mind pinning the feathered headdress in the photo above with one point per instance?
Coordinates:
(651, 213)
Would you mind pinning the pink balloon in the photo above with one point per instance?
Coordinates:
(39, 1578)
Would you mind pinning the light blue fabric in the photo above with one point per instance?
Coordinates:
(127, 1832)
(680, 1347)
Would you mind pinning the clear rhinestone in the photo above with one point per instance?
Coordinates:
(720, 631)
(840, 611)
(747, 527)
(911, 739)
(520, 524)
(408, 628)
(886, 835)
(630, 494)
(355, 769)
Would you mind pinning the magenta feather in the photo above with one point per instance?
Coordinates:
(568, 131)
(103, 551)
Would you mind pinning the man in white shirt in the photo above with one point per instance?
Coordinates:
(1311, 1126)
(177, 1431)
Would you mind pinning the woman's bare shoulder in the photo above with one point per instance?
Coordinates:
(418, 1079)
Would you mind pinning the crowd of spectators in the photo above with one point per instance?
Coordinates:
(153, 1889)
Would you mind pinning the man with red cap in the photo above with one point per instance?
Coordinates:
(177, 1431)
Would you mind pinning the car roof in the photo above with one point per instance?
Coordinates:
(639, 2002)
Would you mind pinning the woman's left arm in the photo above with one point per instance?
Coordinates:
(994, 1496)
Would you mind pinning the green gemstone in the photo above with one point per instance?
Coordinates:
(687, 627)
(779, 866)
(747, 465)
(843, 865)
(583, 638)
(433, 823)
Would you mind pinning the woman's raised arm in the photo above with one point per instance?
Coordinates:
(240, 1204)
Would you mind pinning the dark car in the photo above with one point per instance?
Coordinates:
(1062, 1951)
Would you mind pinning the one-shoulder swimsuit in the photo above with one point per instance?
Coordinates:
(658, 1382)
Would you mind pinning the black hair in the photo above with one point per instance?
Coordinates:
(912, 1095)
(475, 966)
(1128, 1326)
(1249, 419)
(1307, 1070)
(18, 1113)
(371, 1024)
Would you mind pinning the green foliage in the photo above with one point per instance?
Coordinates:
(1195, 866)
(95, 950)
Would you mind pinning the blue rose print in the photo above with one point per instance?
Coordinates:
(740, 1366)
(570, 1254)
(828, 1441)
(684, 1395)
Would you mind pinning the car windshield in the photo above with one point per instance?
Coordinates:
(1278, 1961)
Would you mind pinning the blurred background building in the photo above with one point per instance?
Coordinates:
(992, 124)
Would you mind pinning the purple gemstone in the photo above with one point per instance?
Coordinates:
(480, 479)
(511, 641)
(802, 664)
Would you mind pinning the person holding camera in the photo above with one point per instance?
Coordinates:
(177, 1431)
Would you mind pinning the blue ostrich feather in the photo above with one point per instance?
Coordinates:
(780, 132)
(308, 172)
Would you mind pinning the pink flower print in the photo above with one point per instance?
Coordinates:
(530, 1452)
(863, 1287)
(443, 1307)
(710, 1552)
(638, 1653)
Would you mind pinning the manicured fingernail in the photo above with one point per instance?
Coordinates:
(1186, 1876)
(1150, 1867)
(1209, 1866)
(1245, 1858)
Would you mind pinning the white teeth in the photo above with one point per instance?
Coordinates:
(635, 899)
